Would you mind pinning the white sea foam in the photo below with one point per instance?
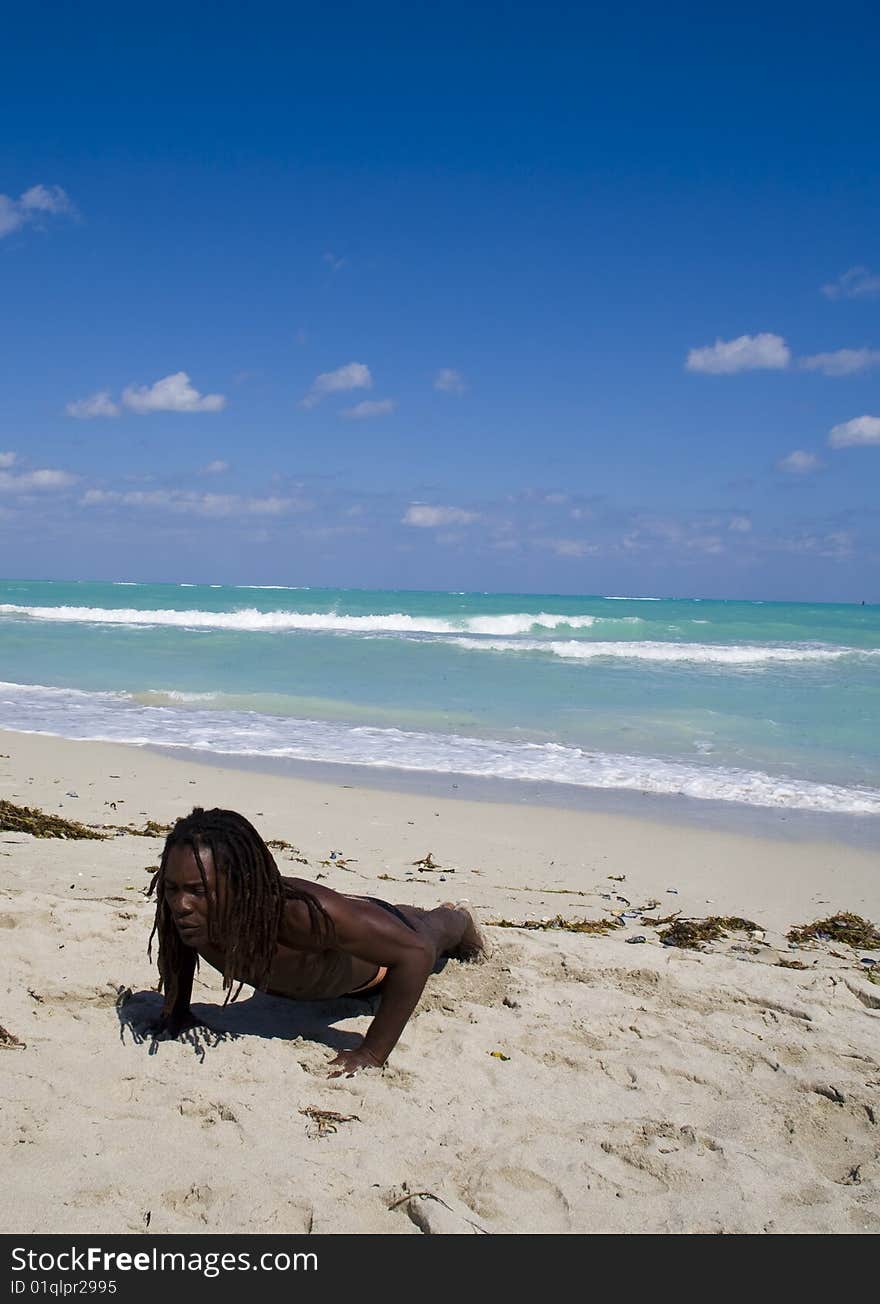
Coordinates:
(668, 653)
(117, 717)
(250, 619)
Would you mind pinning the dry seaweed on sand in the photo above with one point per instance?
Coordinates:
(8, 1041)
(426, 862)
(782, 963)
(325, 1121)
(660, 923)
(596, 926)
(151, 829)
(25, 819)
(844, 927)
(691, 933)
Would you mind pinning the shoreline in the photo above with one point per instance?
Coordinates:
(712, 864)
(781, 822)
(680, 810)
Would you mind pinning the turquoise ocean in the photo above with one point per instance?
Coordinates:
(764, 704)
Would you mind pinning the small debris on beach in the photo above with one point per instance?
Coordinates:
(10, 1042)
(151, 829)
(844, 927)
(499, 1055)
(659, 923)
(597, 926)
(691, 933)
(426, 862)
(24, 819)
(326, 1121)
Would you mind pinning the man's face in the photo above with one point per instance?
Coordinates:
(185, 893)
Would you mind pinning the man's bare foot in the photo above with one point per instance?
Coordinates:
(472, 945)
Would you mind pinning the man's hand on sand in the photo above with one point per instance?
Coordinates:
(349, 1062)
(170, 1026)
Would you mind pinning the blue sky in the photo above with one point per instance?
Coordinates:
(528, 297)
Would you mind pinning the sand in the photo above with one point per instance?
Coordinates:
(568, 1083)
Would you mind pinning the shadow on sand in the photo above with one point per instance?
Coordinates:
(257, 1016)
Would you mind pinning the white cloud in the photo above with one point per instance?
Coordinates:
(861, 430)
(709, 543)
(370, 408)
(843, 362)
(45, 478)
(216, 468)
(762, 352)
(171, 394)
(29, 206)
(7, 459)
(429, 518)
(96, 405)
(857, 283)
(570, 547)
(354, 375)
(46, 199)
(836, 544)
(450, 381)
(740, 525)
(799, 463)
(184, 502)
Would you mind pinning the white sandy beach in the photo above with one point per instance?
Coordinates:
(643, 1088)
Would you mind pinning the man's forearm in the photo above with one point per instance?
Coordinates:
(177, 1000)
(400, 996)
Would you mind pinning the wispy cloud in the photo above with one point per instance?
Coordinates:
(799, 463)
(7, 459)
(333, 261)
(837, 544)
(172, 393)
(740, 525)
(450, 381)
(370, 408)
(216, 506)
(843, 362)
(216, 468)
(431, 517)
(96, 405)
(856, 283)
(354, 375)
(32, 205)
(570, 548)
(45, 478)
(764, 352)
(861, 430)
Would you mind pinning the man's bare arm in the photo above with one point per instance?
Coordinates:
(176, 1013)
(371, 933)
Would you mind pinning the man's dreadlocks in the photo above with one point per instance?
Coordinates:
(246, 918)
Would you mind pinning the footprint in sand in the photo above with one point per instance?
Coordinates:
(207, 1113)
(498, 1191)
